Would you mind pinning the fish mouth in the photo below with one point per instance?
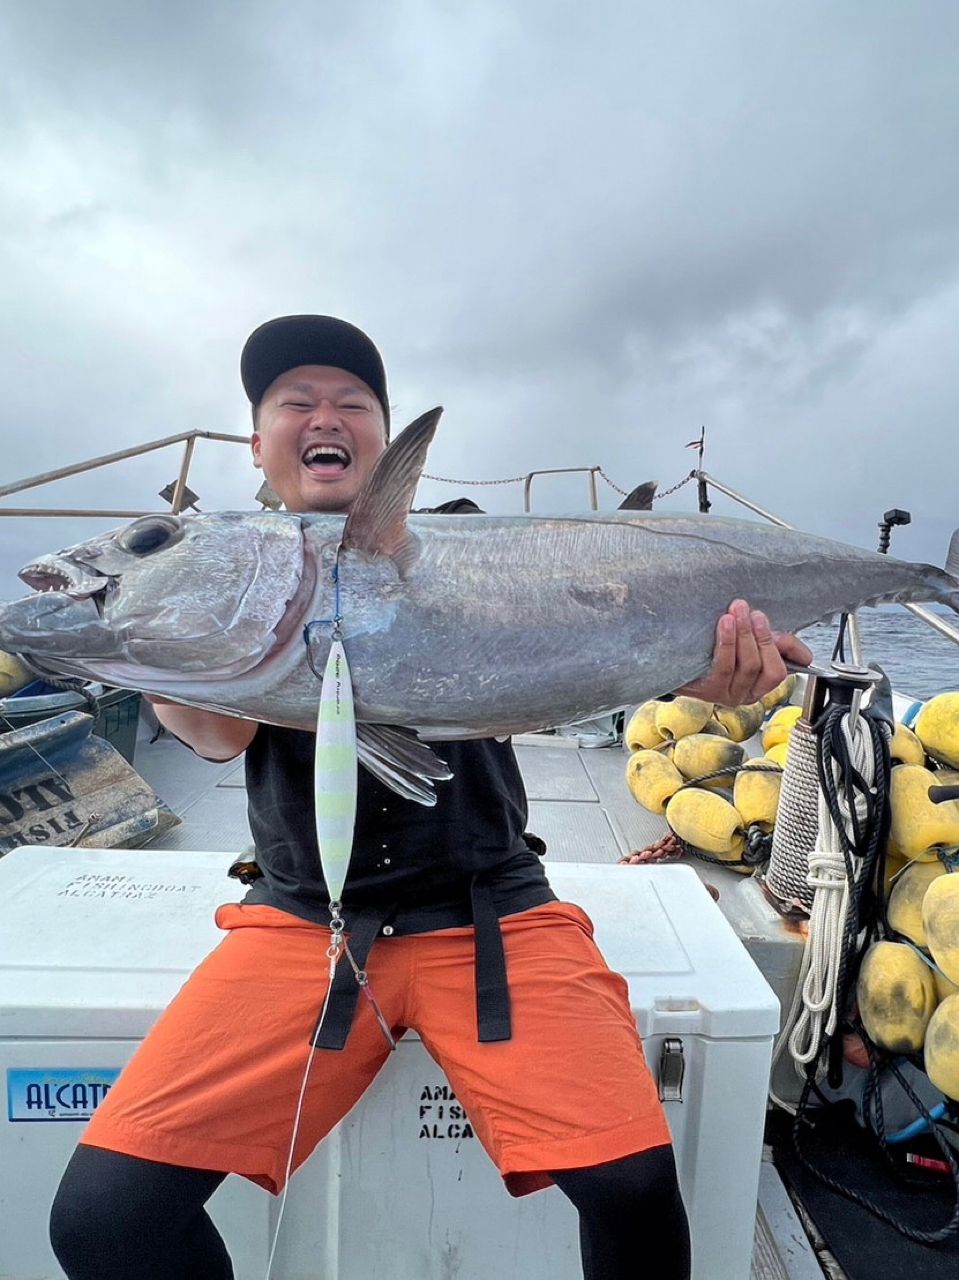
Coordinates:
(58, 575)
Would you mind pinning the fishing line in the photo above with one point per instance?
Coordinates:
(71, 686)
(39, 754)
(335, 795)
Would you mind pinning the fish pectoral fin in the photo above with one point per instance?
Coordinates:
(400, 761)
(377, 524)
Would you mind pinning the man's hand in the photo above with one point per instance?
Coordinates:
(749, 659)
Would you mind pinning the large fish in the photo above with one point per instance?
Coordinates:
(455, 626)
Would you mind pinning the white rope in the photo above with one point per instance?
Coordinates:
(814, 1013)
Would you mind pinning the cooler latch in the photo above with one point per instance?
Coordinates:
(672, 1067)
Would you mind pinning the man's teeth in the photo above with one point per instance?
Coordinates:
(326, 453)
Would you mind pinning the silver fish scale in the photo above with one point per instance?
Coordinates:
(498, 624)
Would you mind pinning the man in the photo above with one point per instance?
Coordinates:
(448, 909)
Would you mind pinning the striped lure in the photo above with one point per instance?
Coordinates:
(335, 777)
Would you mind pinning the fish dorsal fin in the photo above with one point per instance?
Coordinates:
(640, 498)
(376, 524)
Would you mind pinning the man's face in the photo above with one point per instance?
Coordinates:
(319, 430)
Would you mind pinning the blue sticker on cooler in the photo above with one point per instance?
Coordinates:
(68, 1093)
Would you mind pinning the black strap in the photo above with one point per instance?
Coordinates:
(333, 1026)
(492, 988)
(493, 1021)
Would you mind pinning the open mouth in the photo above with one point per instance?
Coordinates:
(326, 459)
(45, 576)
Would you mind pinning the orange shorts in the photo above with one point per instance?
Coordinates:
(216, 1082)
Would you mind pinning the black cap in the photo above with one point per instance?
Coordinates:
(290, 341)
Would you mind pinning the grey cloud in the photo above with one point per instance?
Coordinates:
(584, 229)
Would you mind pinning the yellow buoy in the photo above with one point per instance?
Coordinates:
(708, 822)
(904, 909)
(905, 747)
(780, 726)
(682, 716)
(782, 693)
(897, 996)
(742, 722)
(652, 778)
(942, 1048)
(940, 919)
(703, 753)
(756, 793)
(641, 732)
(937, 728)
(13, 674)
(918, 828)
(778, 754)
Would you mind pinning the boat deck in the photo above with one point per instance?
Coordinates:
(580, 806)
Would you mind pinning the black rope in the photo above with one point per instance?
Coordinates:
(759, 843)
(914, 1234)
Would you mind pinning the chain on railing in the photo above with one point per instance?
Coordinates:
(447, 480)
(664, 493)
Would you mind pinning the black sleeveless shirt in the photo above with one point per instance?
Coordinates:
(416, 864)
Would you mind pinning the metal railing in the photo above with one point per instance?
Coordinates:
(928, 617)
(187, 438)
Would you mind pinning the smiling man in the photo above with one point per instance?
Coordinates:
(450, 912)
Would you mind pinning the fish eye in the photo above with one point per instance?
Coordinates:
(152, 533)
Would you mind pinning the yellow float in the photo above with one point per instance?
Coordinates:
(756, 793)
(937, 728)
(919, 828)
(708, 822)
(940, 920)
(652, 778)
(702, 753)
(780, 726)
(942, 1047)
(904, 909)
(682, 716)
(897, 996)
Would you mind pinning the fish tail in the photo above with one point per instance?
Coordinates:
(952, 556)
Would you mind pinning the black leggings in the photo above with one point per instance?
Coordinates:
(118, 1217)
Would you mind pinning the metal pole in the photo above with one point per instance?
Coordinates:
(177, 501)
(67, 511)
(933, 620)
(556, 471)
(738, 497)
(79, 467)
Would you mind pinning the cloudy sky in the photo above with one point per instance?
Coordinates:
(585, 230)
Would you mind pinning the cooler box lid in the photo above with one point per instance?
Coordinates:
(94, 943)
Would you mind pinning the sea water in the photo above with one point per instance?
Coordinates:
(919, 661)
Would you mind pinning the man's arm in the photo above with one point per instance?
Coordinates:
(749, 659)
(212, 736)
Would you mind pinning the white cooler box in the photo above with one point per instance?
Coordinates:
(94, 944)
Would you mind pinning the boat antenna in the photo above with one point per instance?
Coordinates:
(700, 444)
